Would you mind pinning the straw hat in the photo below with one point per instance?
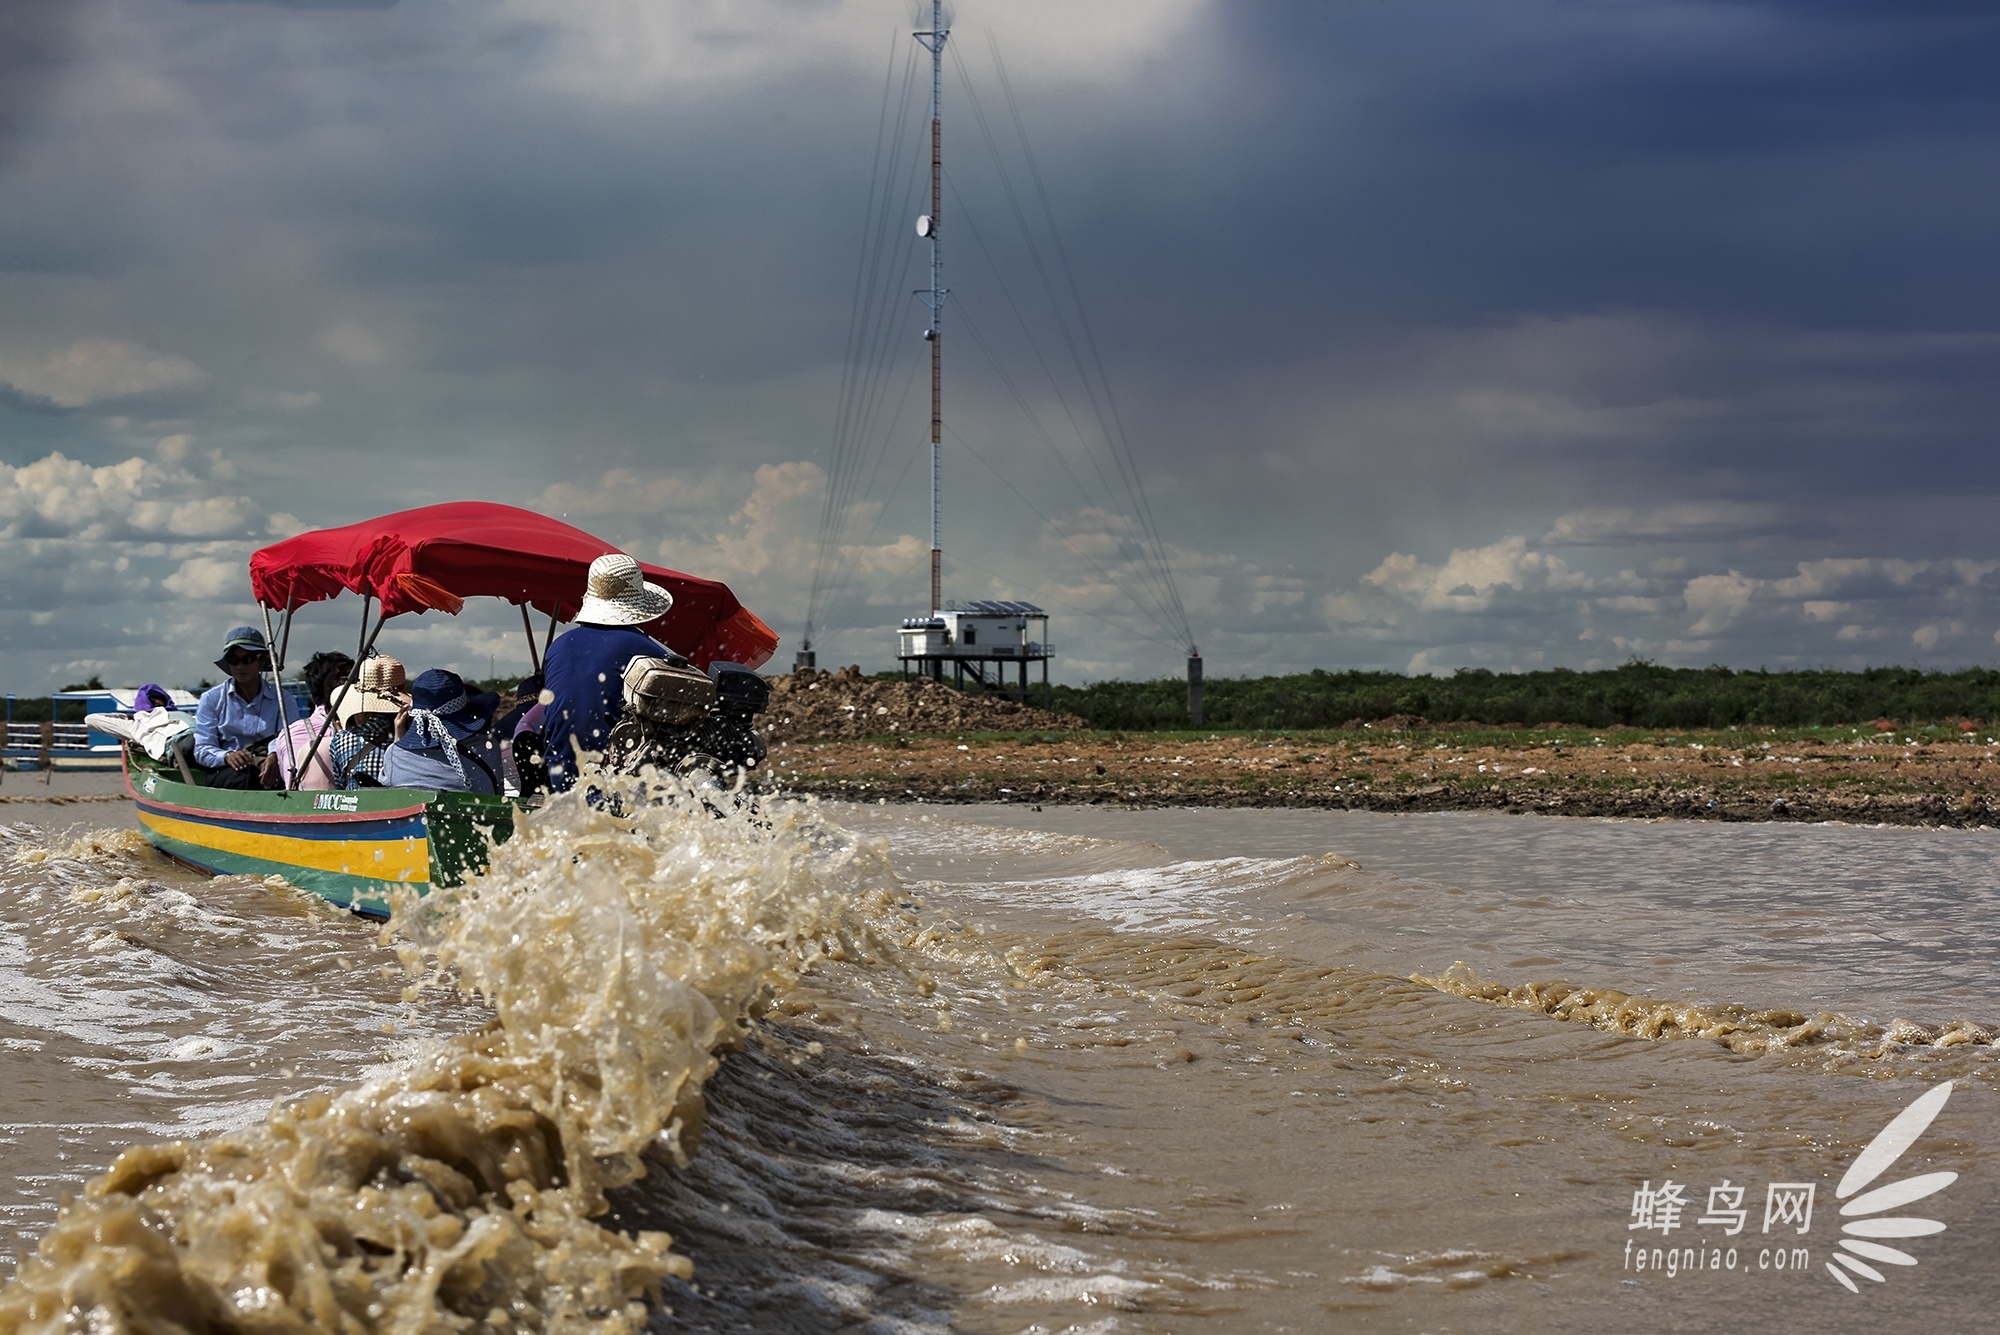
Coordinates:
(618, 594)
(380, 687)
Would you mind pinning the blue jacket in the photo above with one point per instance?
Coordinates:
(585, 673)
(428, 767)
(224, 721)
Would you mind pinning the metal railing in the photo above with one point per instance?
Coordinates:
(61, 736)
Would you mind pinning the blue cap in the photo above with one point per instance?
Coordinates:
(243, 637)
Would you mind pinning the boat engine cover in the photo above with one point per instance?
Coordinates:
(664, 692)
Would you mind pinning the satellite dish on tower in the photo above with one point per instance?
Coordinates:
(925, 226)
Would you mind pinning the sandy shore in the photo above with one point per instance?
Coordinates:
(1857, 775)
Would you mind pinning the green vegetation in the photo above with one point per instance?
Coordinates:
(37, 708)
(41, 709)
(1637, 695)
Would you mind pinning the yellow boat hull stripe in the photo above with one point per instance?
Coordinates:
(401, 860)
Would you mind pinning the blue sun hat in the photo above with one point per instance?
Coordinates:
(244, 637)
(442, 695)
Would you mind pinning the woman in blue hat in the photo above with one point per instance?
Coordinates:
(433, 750)
(235, 721)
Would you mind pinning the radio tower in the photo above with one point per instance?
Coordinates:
(933, 40)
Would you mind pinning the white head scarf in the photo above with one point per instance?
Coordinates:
(427, 726)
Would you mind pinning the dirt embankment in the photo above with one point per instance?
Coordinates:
(1868, 778)
(814, 704)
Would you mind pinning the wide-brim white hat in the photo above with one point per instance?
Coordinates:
(617, 594)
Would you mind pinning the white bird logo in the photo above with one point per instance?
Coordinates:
(1881, 1154)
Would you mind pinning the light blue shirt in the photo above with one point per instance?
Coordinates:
(224, 721)
(427, 767)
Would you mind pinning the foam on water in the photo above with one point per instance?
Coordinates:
(457, 1188)
(1061, 1082)
(1738, 1027)
(131, 1008)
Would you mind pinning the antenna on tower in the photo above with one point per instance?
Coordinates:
(933, 40)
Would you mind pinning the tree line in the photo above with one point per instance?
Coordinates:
(1638, 694)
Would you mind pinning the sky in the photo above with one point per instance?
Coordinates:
(1435, 334)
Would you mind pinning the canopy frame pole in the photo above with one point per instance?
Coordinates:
(366, 643)
(272, 649)
(278, 663)
(534, 657)
(284, 646)
(276, 653)
(550, 638)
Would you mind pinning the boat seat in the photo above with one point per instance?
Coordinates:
(177, 765)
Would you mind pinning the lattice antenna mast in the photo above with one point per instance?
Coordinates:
(933, 40)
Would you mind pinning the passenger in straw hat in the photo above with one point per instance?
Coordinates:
(583, 675)
(367, 711)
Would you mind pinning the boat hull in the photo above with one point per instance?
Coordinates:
(353, 848)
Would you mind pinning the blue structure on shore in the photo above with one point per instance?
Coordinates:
(78, 745)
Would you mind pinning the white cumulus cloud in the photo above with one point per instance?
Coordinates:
(207, 579)
(56, 496)
(1717, 600)
(1469, 578)
(92, 370)
(1508, 604)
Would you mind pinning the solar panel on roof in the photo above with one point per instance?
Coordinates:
(1000, 607)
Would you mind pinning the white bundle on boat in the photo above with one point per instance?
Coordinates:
(154, 731)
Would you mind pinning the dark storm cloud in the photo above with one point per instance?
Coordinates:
(36, 405)
(1767, 174)
(1456, 266)
(37, 40)
(303, 4)
(1428, 162)
(1553, 296)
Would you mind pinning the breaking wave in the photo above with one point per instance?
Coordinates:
(465, 1185)
(1740, 1028)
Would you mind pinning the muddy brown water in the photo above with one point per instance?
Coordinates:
(1038, 1071)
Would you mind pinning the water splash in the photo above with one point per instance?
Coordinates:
(620, 954)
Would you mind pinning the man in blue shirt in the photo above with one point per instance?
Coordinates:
(584, 672)
(237, 719)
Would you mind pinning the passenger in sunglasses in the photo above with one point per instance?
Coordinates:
(235, 721)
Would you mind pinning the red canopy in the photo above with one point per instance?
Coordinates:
(438, 556)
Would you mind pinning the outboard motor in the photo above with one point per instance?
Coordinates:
(680, 719)
(668, 695)
(730, 732)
